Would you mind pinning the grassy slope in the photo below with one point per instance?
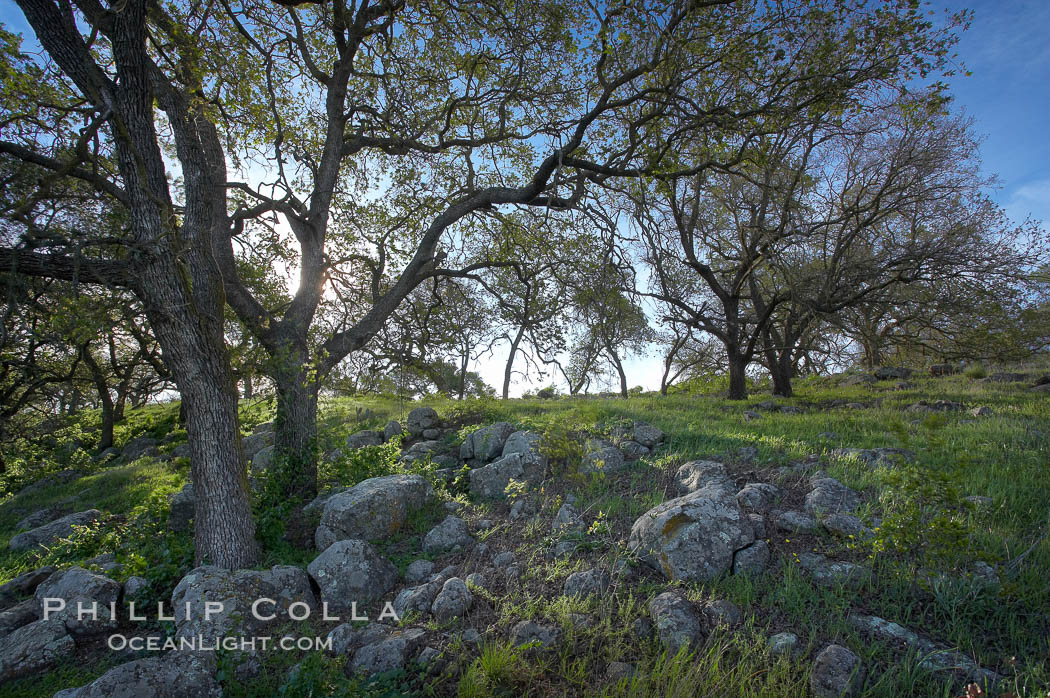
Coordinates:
(1005, 456)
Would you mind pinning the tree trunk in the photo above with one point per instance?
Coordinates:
(463, 364)
(122, 400)
(778, 371)
(509, 371)
(105, 400)
(248, 387)
(223, 528)
(781, 375)
(619, 370)
(737, 376)
(295, 429)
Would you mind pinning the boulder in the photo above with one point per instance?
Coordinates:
(796, 522)
(351, 571)
(421, 418)
(418, 570)
(17, 616)
(874, 456)
(931, 656)
(503, 559)
(845, 525)
(586, 583)
(939, 370)
(256, 442)
(698, 474)
(830, 496)
(134, 587)
(694, 537)
(836, 673)
(784, 645)
(345, 638)
(982, 411)
(721, 612)
(486, 444)
(61, 595)
(646, 434)
(392, 429)
(602, 456)
(388, 654)
(567, 518)
(137, 448)
(262, 460)
(173, 675)
(34, 648)
(39, 518)
(180, 515)
(523, 442)
(373, 509)
(490, 481)
(318, 502)
(449, 535)
(417, 599)
(677, 623)
(453, 601)
(752, 560)
(23, 585)
(420, 450)
(827, 572)
(759, 523)
(237, 591)
(758, 496)
(527, 632)
(364, 438)
(859, 379)
(633, 450)
(1006, 377)
(42, 536)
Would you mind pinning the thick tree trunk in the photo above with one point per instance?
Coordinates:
(509, 370)
(223, 528)
(775, 363)
(781, 375)
(737, 376)
(295, 431)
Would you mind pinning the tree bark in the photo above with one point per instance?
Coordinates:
(737, 375)
(619, 370)
(223, 528)
(105, 400)
(295, 429)
(781, 375)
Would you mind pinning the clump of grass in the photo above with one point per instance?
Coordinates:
(976, 371)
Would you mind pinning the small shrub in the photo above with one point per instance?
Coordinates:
(976, 371)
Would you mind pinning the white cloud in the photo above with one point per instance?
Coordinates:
(1030, 200)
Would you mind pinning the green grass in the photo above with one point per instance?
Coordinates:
(1005, 456)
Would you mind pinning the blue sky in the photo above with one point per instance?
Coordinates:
(1007, 49)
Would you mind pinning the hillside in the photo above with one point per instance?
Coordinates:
(902, 522)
